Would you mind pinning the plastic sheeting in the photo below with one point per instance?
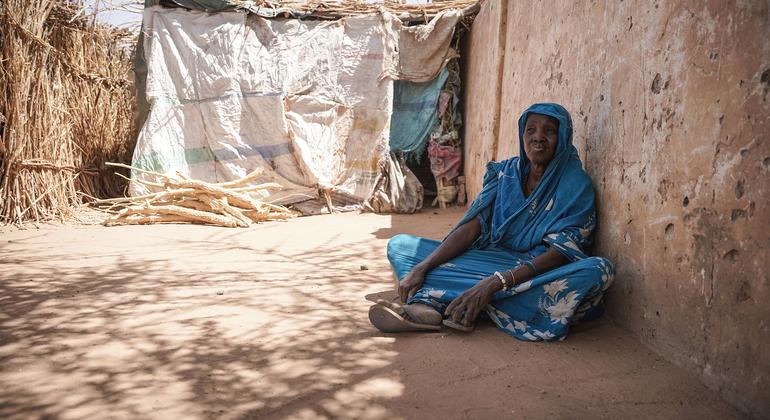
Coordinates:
(309, 102)
(415, 114)
(424, 49)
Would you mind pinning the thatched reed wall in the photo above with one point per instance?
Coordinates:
(65, 108)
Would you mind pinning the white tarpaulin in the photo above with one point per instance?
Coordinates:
(309, 102)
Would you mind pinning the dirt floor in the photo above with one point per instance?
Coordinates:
(271, 322)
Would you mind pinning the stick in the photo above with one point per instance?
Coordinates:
(133, 168)
(253, 174)
(197, 215)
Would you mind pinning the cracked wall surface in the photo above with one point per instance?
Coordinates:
(671, 114)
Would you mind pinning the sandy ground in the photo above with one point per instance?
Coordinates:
(271, 322)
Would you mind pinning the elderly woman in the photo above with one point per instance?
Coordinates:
(520, 253)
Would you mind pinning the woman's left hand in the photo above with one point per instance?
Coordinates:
(467, 307)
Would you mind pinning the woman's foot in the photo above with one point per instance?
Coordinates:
(392, 317)
(423, 314)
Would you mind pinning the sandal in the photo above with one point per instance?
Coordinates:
(459, 327)
(390, 318)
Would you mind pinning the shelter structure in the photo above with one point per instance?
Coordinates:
(324, 97)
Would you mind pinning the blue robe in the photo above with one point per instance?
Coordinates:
(560, 213)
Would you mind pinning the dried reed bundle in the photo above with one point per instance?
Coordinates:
(66, 106)
(340, 8)
(184, 200)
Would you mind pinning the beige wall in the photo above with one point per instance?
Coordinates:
(483, 76)
(671, 108)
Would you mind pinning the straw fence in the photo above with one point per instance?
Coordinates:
(65, 108)
(339, 8)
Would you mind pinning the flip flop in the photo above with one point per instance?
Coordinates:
(459, 327)
(387, 320)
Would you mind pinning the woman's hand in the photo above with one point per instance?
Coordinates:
(455, 244)
(411, 283)
(467, 307)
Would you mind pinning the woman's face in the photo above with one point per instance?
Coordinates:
(541, 135)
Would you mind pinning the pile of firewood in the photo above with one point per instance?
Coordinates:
(183, 200)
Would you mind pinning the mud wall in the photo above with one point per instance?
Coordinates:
(671, 114)
(483, 72)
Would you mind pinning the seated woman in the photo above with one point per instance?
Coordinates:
(520, 253)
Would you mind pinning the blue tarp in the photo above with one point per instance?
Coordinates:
(415, 114)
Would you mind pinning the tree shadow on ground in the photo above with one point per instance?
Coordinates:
(190, 323)
(140, 338)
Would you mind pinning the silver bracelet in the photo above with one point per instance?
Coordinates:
(513, 279)
(532, 267)
(502, 280)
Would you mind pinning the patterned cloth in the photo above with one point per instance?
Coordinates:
(560, 213)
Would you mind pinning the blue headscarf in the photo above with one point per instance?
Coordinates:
(559, 213)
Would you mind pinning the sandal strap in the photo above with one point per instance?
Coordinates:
(395, 307)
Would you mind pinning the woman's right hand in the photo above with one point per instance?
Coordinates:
(455, 244)
(411, 284)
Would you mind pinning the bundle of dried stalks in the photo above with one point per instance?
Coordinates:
(341, 8)
(66, 106)
(183, 200)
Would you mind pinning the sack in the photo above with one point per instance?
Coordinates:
(396, 189)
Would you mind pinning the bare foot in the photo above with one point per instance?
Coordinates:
(423, 314)
(416, 312)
